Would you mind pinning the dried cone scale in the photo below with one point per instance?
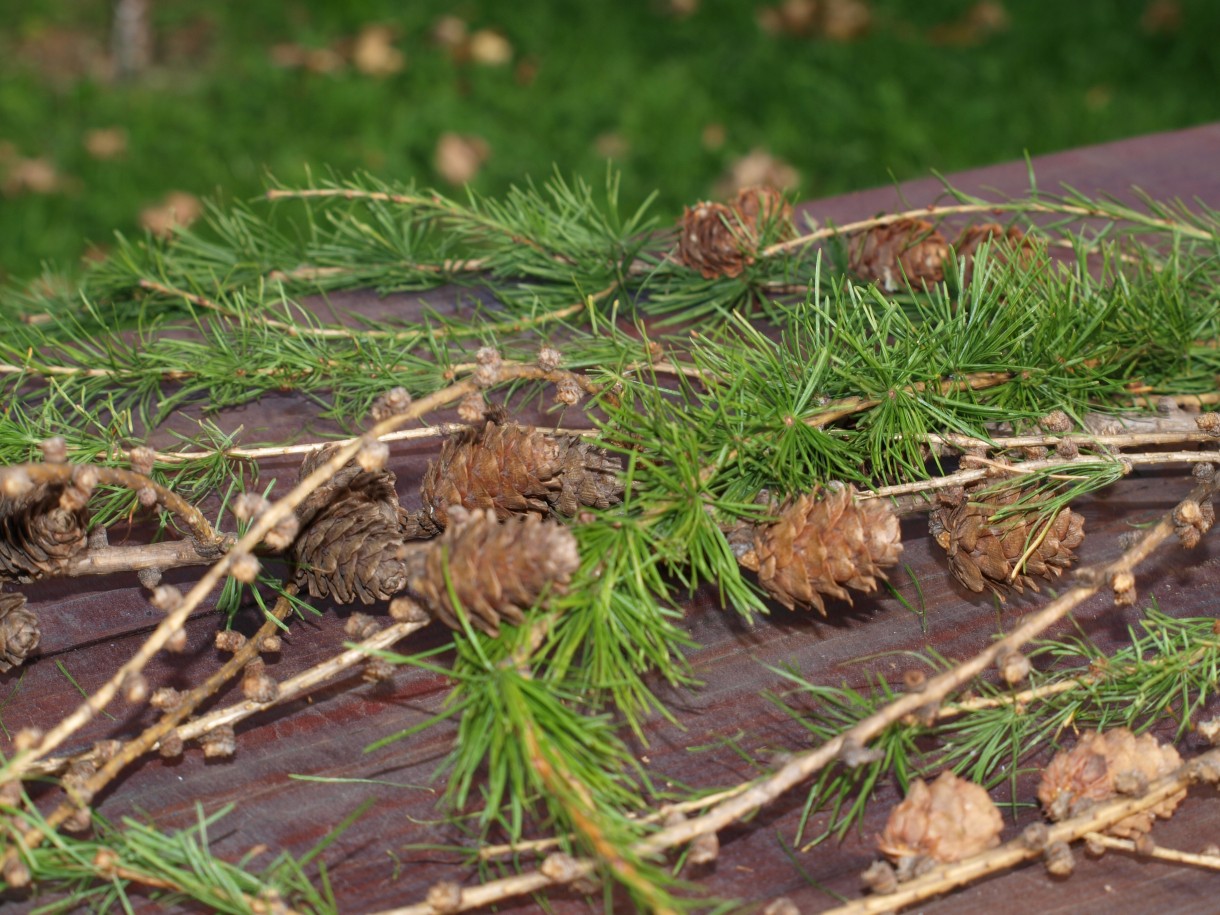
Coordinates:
(821, 545)
(494, 569)
(946, 821)
(901, 252)
(19, 632)
(39, 536)
(986, 553)
(513, 469)
(1103, 765)
(350, 544)
(722, 240)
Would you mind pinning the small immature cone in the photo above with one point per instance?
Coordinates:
(39, 535)
(985, 553)
(1100, 767)
(823, 546)
(512, 470)
(19, 632)
(946, 821)
(719, 240)
(893, 255)
(496, 569)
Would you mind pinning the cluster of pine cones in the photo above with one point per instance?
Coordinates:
(721, 240)
(43, 527)
(489, 504)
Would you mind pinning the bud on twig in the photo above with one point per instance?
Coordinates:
(244, 568)
(360, 626)
(548, 358)
(1056, 421)
(393, 402)
(54, 450)
(373, 455)
(170, 746)
(141, 458)
(487, 372)
(568, 391)
(257, 685)
(1014, 667)
(880, 878)
(149, 578)
(1124, 584)
(445, 897)
(250, 505)
(27, 739)
(219, 743)
(165, 698)
(472, 408)
(135, 688)
(1058, 859)
(283, 533)
(229, 640)
(166, 598)
(405, 610)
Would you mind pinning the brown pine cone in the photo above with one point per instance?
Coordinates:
(983, 553)
(719, 240)
(513, 469)
(822, 546)
(351, 538)
(1102, 766)
(1004, 242)
(946, 821)
(496, 569)
(38, 535)
(19, 632)
(908, 251)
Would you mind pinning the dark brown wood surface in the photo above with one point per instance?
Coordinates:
(91, 625)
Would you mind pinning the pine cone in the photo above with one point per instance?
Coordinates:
(824, 546)
(19, 633)
(512, 470)
(985, 553)
(908, 251)
(947, 821)
(38, 536)
(719, 240)
(496, 569)
(350, 544)
(1004, 242)
(1096, 769)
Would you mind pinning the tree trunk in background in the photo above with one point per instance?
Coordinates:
(131, 38)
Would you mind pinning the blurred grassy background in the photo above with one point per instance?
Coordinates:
(686, 96)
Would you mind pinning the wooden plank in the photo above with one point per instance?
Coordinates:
(91, 626)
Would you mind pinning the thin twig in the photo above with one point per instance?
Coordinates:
(1024, 468)
(849, 405)
(490, 852)
(300, 330)
(936, 211)
(1211, 862)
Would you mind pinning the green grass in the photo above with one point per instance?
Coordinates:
(217, 118)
